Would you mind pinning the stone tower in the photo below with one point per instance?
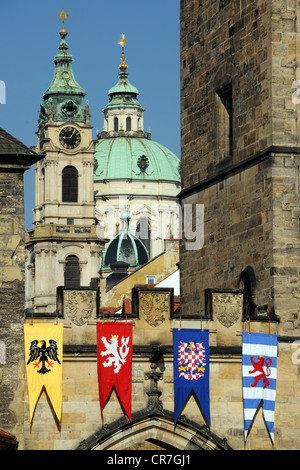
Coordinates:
(240, 160)
(63, 247)
(15, 159)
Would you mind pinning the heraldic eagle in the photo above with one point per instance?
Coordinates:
(43, 354)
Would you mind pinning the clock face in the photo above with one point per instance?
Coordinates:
(69, 138)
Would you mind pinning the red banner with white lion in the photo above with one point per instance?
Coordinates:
(114, 356)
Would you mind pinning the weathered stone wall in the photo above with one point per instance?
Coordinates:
(285, 269)
(251, 197)
(237, 233)
(224, 42)
(285, 72)
(11, 301)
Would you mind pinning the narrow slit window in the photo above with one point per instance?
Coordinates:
(225, 120)
(116, 124)
(128, 124)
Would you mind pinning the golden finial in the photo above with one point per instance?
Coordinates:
(63, 15)
(122, 41)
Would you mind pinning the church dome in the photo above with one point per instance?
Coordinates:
(123, 150)
(125, 248)
(134, 158)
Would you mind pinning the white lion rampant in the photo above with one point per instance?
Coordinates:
(116, 357)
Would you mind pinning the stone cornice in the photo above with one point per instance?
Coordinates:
(227, 172)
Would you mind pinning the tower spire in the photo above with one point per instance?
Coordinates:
(64, 99)
(63, 15)
(123, 96)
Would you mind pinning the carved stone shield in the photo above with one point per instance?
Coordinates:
(80, 305)
(227, 307)
(154, 307)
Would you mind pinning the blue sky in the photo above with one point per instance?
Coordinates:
(29, 34)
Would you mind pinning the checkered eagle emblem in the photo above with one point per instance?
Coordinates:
(191, 359)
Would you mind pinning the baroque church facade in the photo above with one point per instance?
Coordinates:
(83, 187)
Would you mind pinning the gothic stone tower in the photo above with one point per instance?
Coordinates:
(240, 159)
(15, 159)
(63, 247)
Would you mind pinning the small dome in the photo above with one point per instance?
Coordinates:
(125, 247)
(123, 87)
(134, 158)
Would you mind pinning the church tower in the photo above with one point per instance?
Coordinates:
(63, 246)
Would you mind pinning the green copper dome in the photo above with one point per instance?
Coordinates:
(123, 150)
(123, 94)
(135, 158)
(125, 247)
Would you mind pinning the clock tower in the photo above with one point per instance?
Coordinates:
(63, 247)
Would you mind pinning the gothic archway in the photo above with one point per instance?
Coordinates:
(153, 429)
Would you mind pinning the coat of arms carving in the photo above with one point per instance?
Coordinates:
(154, 307)
(80, 305)
(227, 307)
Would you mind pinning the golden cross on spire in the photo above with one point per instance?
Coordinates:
(63, 15)
(122, 41)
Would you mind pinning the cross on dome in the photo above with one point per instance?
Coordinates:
(122, 41)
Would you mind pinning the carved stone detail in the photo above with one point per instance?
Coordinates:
(155, 308)
(227, 307)
(80, 306)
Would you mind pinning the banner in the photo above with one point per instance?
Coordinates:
(114, 353)
(191, 369)
(259, 378)
(43, 363)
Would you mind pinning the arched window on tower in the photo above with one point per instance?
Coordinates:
(249, 280)
(116, 124)
(128, 124)
(69, 184)
(72, 272)
(143, 232)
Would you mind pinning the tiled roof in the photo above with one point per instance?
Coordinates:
(9, 145)
(7, 441)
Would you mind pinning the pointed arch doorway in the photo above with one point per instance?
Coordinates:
(153, 430)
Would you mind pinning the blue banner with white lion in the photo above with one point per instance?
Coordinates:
(191, 369)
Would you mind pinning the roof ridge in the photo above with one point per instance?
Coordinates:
(9, 144)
